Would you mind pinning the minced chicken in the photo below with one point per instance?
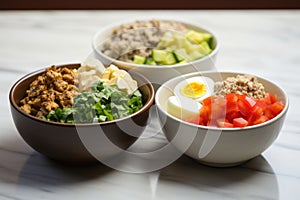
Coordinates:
(53, 89)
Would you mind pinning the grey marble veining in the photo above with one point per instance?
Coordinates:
(262, 42)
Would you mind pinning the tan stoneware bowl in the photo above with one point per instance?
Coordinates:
(79, 143)
(219, 146)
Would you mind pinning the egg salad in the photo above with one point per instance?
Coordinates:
(93, 70)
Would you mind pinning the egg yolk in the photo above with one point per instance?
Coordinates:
(193, 90)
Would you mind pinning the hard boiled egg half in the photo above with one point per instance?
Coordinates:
(189, 93)
(183, 108)
(196, 88)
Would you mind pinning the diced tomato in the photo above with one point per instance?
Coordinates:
(256, 113)
(240, 96)
(227, 125)
(218, 111)
(268, 113)
(243, 108)
(237, 110)
(207, 101)
(205, 113)
(261, 119)
(232, 107)
(231, 98)
(220, 101)
(240, 122)
(276, 108)
(232, 115)
(249, 103)
(262, 104)
(201, 121)
(212, 123)
(270, 98)
(231, 103)
(224, 124)
(267, 100)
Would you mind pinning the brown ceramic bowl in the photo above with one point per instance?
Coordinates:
(79, 142)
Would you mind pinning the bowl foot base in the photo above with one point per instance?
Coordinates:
(221, 164)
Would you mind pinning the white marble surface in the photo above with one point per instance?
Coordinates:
(265, 43)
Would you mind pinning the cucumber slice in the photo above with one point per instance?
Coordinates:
(207, 37)
(150, 61)
(195, 55)
(202, 48)
(197, 37)
(194, 37)
(185, 48)
(206, 47)
(180, 54)
(194, 47)
(169, 59)
(182, 62)
(159, 55)
(139, 59)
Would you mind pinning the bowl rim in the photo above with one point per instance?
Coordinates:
(145, 107)
(185, 22)
(281, 114)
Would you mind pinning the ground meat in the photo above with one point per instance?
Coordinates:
(241, 84)
(55, 88)
(137, 38)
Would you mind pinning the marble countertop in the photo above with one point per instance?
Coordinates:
(260, 42)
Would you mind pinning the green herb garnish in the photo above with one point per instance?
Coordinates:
(101, 103)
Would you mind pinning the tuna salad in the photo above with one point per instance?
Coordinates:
(155, 42)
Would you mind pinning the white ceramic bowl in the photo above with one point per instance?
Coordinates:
(158, 74)
(219, 146)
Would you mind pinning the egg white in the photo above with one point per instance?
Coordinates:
(208, 82)
(183, 108)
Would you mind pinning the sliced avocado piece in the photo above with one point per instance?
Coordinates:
(139, 59)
